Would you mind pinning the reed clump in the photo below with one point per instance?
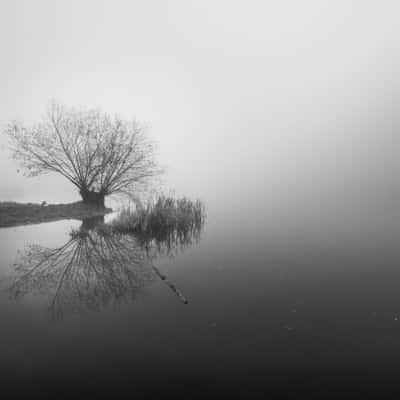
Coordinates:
(165, 219)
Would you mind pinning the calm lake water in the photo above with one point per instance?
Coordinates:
(272, 308)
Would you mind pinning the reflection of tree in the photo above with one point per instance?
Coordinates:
(92, 269)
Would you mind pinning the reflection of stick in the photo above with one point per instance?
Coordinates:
(170, 285)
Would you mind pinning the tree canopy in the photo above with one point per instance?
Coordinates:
(99, 154)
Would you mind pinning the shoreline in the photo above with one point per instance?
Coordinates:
(17, 214)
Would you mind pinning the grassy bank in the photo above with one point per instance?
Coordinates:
(14, 214)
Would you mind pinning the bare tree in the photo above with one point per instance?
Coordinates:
(99, 154)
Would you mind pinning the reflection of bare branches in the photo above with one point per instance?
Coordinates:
(90, 271)
(93, 269)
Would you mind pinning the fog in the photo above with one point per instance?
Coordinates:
(286, 109)
(283, 118)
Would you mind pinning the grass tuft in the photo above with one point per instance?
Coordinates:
(165, 220)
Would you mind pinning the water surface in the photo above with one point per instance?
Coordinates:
(271, 306)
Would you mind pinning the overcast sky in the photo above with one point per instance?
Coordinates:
(267, 99)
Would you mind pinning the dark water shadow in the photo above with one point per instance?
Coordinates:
(96, 267)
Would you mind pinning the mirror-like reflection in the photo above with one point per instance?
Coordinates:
(96, 267)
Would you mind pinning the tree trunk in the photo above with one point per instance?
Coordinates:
(92, 198)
